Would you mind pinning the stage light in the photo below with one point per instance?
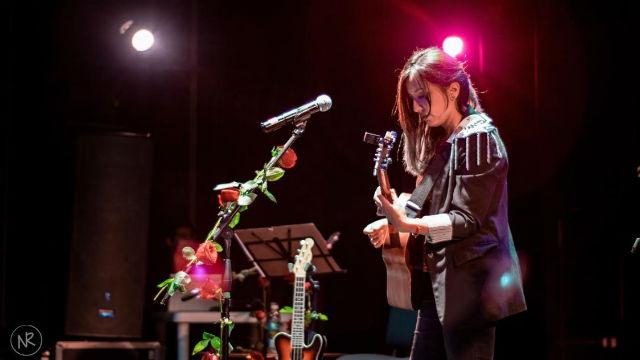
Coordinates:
(453, 45)
(142, 40)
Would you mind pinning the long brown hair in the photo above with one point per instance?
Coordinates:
(439, 68)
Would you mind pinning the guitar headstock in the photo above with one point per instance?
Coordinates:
(304, 257)
(385, 143)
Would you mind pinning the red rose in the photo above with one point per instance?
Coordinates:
(210, 290)
(288, 159)
(209, 356)
(207, 253)
(228, 195)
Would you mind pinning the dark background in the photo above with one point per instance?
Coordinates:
(558, 77)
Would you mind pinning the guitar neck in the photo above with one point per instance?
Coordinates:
(297, 322)
(385, 189)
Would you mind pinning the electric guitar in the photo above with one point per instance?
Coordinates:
(395, 256)
(292, 347)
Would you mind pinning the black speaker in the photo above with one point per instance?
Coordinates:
(587, 312)
(107, 261)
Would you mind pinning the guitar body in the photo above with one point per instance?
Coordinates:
(292, 347)
(396, 261)
(312, 351)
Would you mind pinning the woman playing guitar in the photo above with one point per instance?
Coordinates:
(468, 275)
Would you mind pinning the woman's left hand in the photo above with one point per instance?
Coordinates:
(394, 212)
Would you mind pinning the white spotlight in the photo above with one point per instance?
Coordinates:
(142, 40)
(453, 45)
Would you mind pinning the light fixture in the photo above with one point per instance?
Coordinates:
(453, 45)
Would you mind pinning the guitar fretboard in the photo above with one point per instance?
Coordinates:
(297, 322)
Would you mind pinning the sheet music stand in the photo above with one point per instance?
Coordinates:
(272, 248)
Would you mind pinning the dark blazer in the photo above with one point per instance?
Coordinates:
(475, 274)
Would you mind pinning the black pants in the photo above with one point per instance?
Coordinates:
(431, 342)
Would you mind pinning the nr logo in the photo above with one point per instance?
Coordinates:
(26, 340)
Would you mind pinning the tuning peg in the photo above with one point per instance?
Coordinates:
(290, 266)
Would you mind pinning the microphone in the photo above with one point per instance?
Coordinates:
(636, 244)
(322, 103)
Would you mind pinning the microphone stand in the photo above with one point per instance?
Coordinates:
(228, 234)
(227, 281)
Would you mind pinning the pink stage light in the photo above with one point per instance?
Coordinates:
(453, 45)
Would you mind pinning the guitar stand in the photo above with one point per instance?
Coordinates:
(315, 288)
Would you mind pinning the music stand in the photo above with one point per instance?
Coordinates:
(271, 249)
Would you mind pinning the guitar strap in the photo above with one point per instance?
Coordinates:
(417, 202)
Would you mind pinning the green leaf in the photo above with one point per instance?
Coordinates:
(228, 323)
(201, 345)
(172, 289)
(207, 336)
(248, 186)
(286, 310)
(233, 184)
(275, 151)
(188, 253)
(245, 200)
(216, 343)
(165, 283)
(217, 246)
(274, 174)
(243, 208)
(235, 220)
(269, 195)
(315, 316)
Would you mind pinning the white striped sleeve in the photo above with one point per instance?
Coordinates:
(440, 228)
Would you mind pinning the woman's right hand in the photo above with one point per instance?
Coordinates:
(378, 232)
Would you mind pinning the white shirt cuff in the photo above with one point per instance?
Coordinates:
(440, 228)
(402, 200)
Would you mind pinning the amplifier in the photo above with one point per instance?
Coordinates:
(108, 350)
